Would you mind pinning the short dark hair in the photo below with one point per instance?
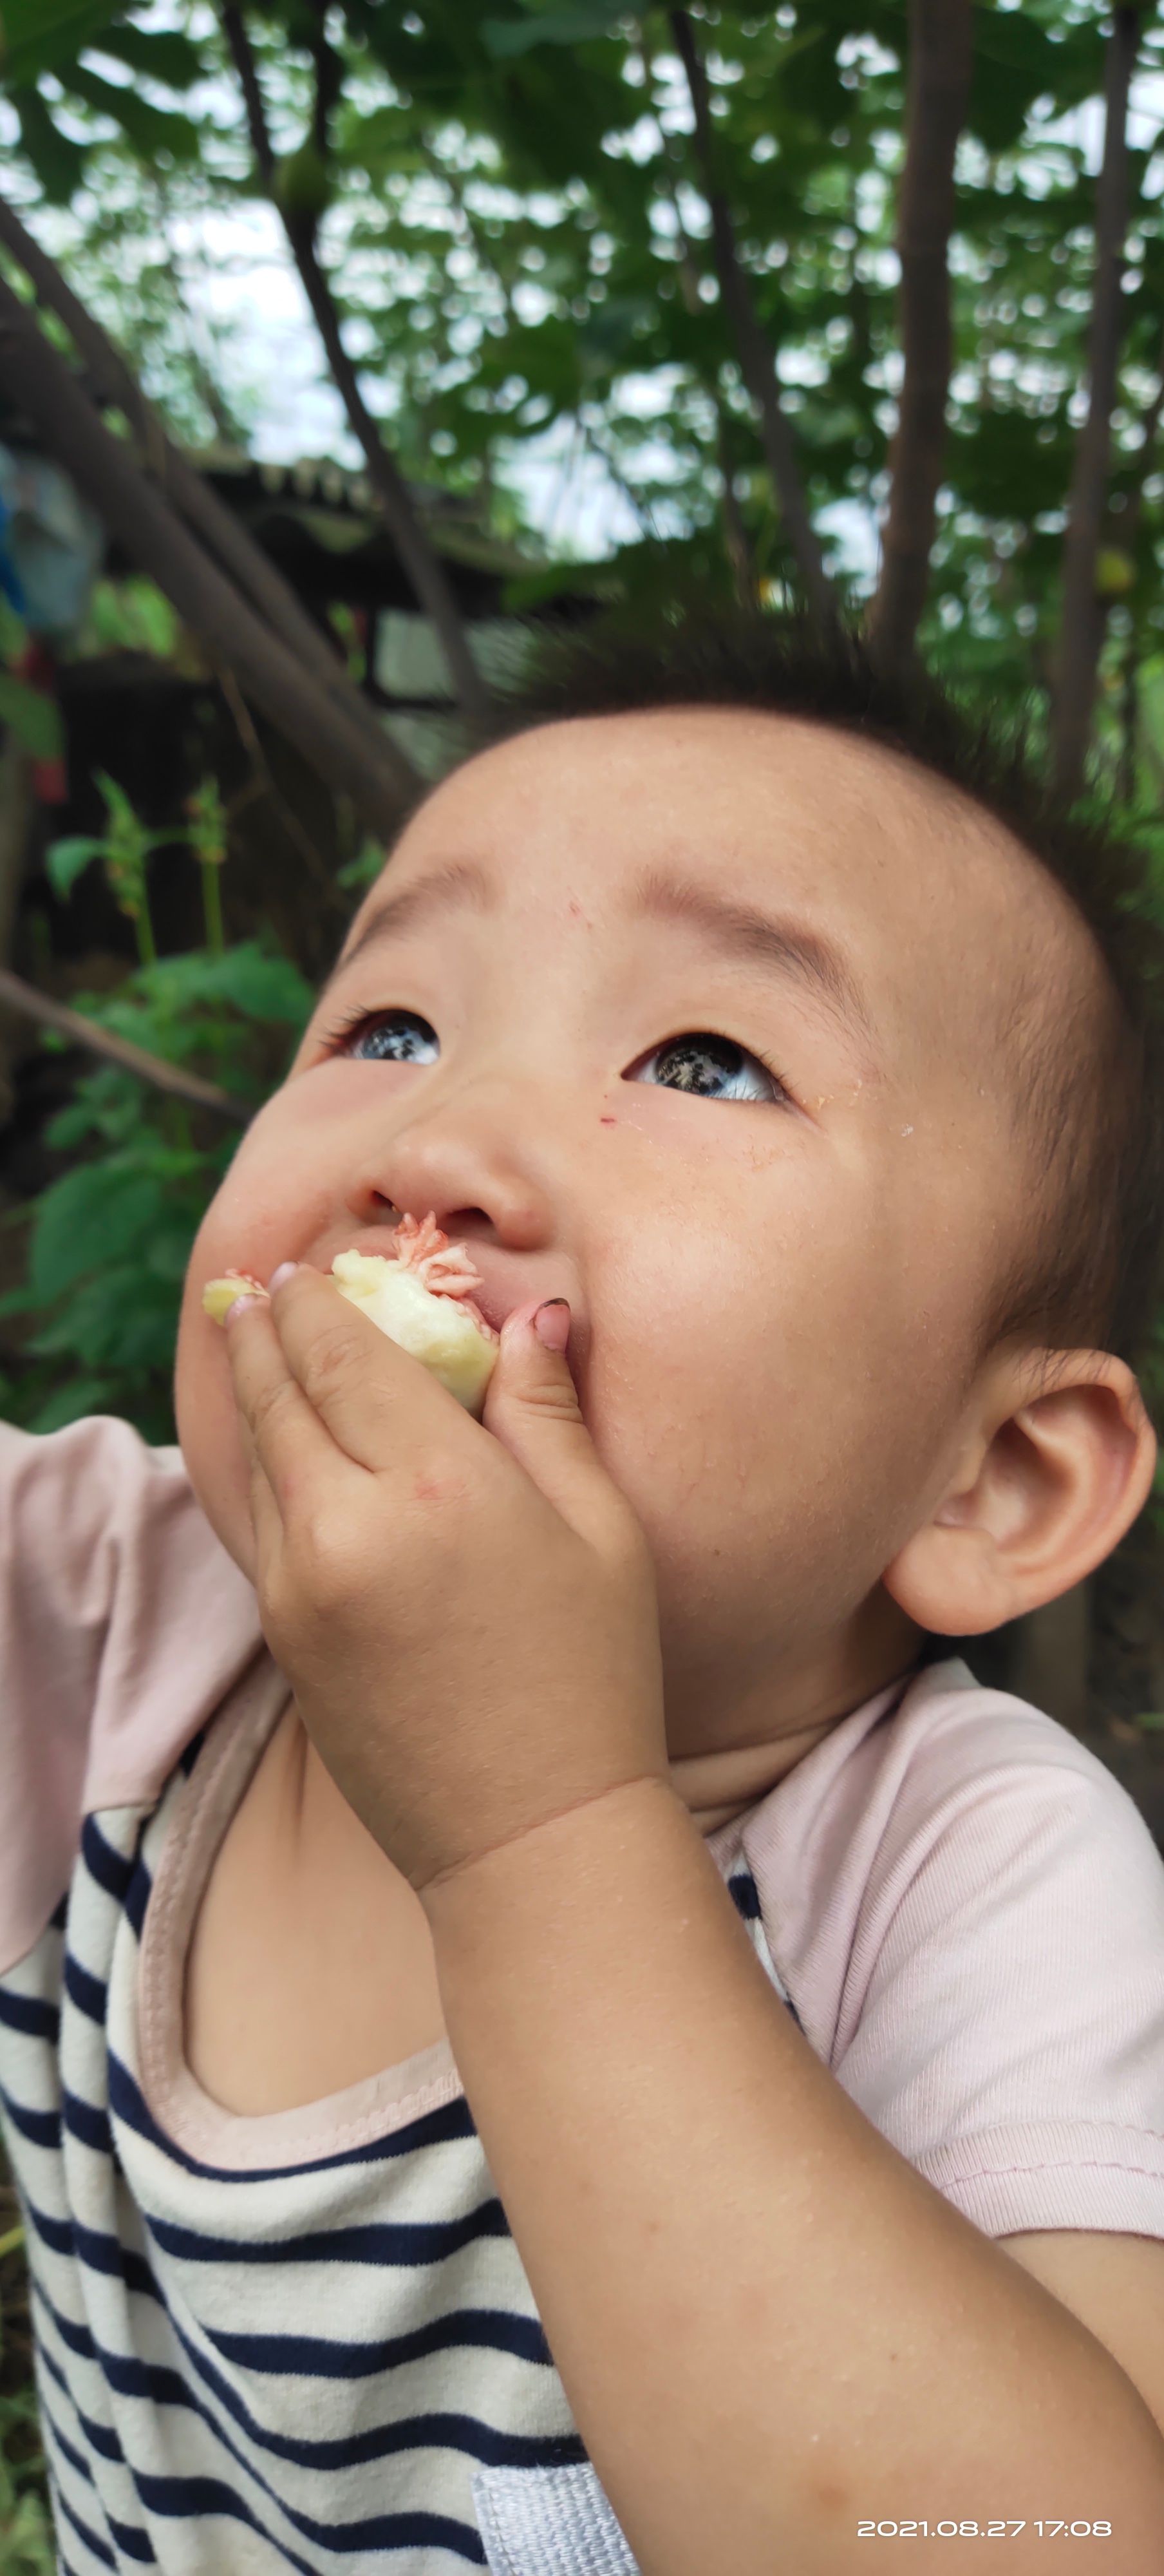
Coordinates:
(1091, 1094)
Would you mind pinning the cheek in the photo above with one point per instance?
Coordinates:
(266, 1208)
(747, 1400)
(688, 1370)
(208, 1429)
(246, 1227)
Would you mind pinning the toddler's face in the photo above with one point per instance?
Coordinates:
(776, 1279)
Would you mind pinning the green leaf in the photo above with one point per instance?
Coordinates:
(125, 1318)
(117, 802)
(168, 1255)
(66, 859)
(151, 130)
(505, 37)
(364, 868)
(71, 1403)
(107, 1103)
(58, 162)
(133, 616)
(35, 720)
(40, 35)
(265, 988)
(90, 1218)
(157, 621)
(531, 590)
(163, 55)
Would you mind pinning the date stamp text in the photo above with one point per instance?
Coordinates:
(999, 2530)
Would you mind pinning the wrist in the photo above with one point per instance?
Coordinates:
(541, 1853)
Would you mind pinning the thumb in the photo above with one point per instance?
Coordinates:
(531, 1405)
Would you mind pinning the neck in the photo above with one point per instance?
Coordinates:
(772, 1730)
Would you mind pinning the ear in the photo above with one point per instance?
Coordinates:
(1045, 1488)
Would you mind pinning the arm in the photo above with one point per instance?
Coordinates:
(105, 1559)
(768, 2325)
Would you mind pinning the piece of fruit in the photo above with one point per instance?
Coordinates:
(219, 1295)
(419, 1295)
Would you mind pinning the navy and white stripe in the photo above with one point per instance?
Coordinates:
(333, 2365)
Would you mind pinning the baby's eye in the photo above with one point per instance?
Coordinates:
(379, 1034)
(696, 1049)
(371, 1034)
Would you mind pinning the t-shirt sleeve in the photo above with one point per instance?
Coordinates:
(122, 1618)
(1003, 2023)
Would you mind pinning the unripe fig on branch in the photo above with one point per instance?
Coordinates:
(302, 186)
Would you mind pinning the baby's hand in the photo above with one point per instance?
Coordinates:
(466, 1612)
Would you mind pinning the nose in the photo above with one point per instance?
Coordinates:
(486, 1158)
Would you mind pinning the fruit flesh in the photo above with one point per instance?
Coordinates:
(419, 1296)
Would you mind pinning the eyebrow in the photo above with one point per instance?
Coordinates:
(778, 945)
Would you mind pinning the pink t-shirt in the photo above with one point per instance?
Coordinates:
(965, 1907)
(262, 2341)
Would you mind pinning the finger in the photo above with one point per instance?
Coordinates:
(374, 1397)
(289, 1443)
(266, 1517)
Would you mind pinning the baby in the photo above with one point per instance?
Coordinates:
(763, 2159)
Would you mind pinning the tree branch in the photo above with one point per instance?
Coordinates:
(756, 358)
(1126, 528)
(737, 543)
(739, 551)
(239, 43)
(16, 995)
(941, 48)
(1083, 611)
(417, 554)
(193, 499)
(263, 784)
(375, 774)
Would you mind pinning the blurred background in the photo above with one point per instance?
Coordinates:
(344, 350)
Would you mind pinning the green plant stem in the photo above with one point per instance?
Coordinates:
(9, 2243)
(176, 1125)
(144, 927)
(212, 905)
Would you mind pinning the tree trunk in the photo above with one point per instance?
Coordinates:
(1125, 532)
(941, 51)
(193, 499)
(757, 363)
(737, 544)
(419, 558)
(417, 554)
(28, 1004)
(1083, 614)
(17, 808)
(739, 552)
(375, 775)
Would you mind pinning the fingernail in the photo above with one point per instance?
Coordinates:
(552, 1323)
(239, 1308)
(283, 1272)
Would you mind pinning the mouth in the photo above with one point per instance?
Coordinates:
(495, 1299)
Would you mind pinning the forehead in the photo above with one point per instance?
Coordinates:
(943, 913)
